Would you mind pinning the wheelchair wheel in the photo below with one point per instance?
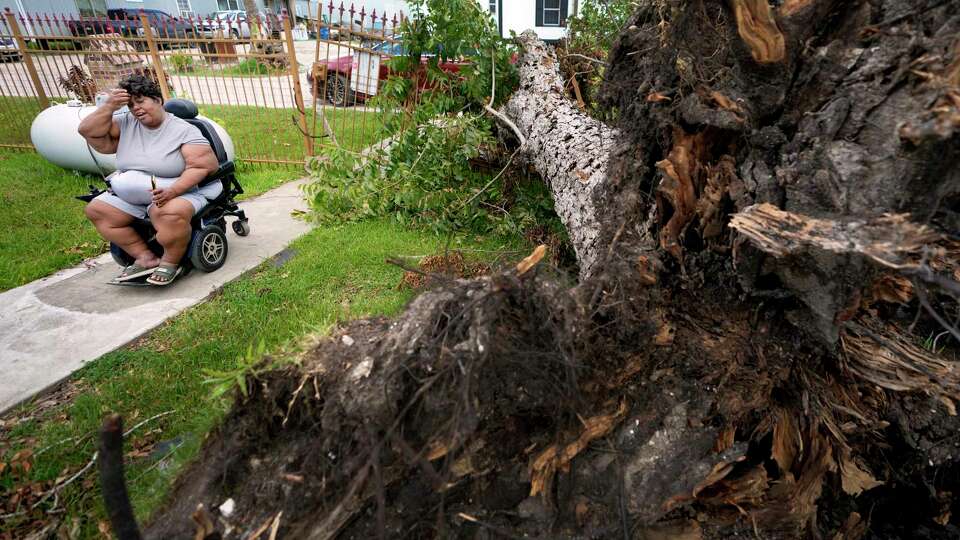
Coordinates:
(120, 256)
(242, 228)
(208, 251)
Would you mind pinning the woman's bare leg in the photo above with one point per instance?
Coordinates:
(172, 222)
(114, 226)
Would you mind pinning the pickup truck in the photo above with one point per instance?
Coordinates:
(334, 77)
(234, 23)
(9, 52)
(126, 22)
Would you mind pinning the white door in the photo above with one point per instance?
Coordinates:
(365, 73)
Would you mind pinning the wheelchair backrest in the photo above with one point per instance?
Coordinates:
(209, 133)
(187, 110)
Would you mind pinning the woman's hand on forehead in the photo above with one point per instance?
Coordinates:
(118, 98)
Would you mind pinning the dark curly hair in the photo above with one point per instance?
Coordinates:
(141, 86)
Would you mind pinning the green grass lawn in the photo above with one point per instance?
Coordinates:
(43, 226)
(188, 66)
(44, 229)
(16, 117)
(258, 133)
(262, 133)
(336, 273)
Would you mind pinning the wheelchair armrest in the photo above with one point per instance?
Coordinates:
(226, 168)
(87, 197)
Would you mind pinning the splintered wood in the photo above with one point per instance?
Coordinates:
(887, 240)
(952, 72)
(791, 7)
(787, 442)
(759, 31)
(678, 188)
(854, 479)
(531, 260)
(557, 457)
(693, 187)
(890, 360)
(783, 499)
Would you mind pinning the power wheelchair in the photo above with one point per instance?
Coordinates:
(208, 243)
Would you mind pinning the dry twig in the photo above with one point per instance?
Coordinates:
(93, 459)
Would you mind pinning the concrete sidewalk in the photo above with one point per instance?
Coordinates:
(53, 326)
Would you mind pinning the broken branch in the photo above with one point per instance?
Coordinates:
(497, 114)
(886, 240)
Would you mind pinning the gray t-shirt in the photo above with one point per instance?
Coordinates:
(155, 151)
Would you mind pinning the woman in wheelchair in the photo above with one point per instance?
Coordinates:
(169, 151)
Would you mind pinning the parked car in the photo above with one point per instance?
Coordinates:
(230, 23)
(9, 51)
(234, 23)
(126, 22)
(334, 75)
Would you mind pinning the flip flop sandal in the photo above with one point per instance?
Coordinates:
(134, 283)
(134, 271)
(168, 274)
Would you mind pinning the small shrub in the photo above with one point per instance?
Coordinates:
(599, 22)
(428, 177)
(78, 83)
(252, 66)
(273, 57)
(181, 63)
(583, 53)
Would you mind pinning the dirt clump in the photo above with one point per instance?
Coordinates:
(443, 267)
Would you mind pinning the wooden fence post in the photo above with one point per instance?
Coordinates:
(297, 93)
(27, 59)
(155, 55)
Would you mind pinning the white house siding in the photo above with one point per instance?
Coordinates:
(520, 15)
(171, 7)
(65, 8)
(69, 7)
(60, 7)
(203, 8)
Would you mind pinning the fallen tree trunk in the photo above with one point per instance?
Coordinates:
(765, 241)
(568, 148)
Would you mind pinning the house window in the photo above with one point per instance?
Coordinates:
(230, 5)
(184, 7)
(552, 12)
(92, 8)
(493, 6)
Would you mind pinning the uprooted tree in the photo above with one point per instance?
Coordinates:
(762, 340)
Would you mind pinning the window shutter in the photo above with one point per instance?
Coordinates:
(539, 12)
(564, 4)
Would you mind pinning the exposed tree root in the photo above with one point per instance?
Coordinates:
(754, 347)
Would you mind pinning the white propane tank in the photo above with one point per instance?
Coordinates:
(54, 135)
